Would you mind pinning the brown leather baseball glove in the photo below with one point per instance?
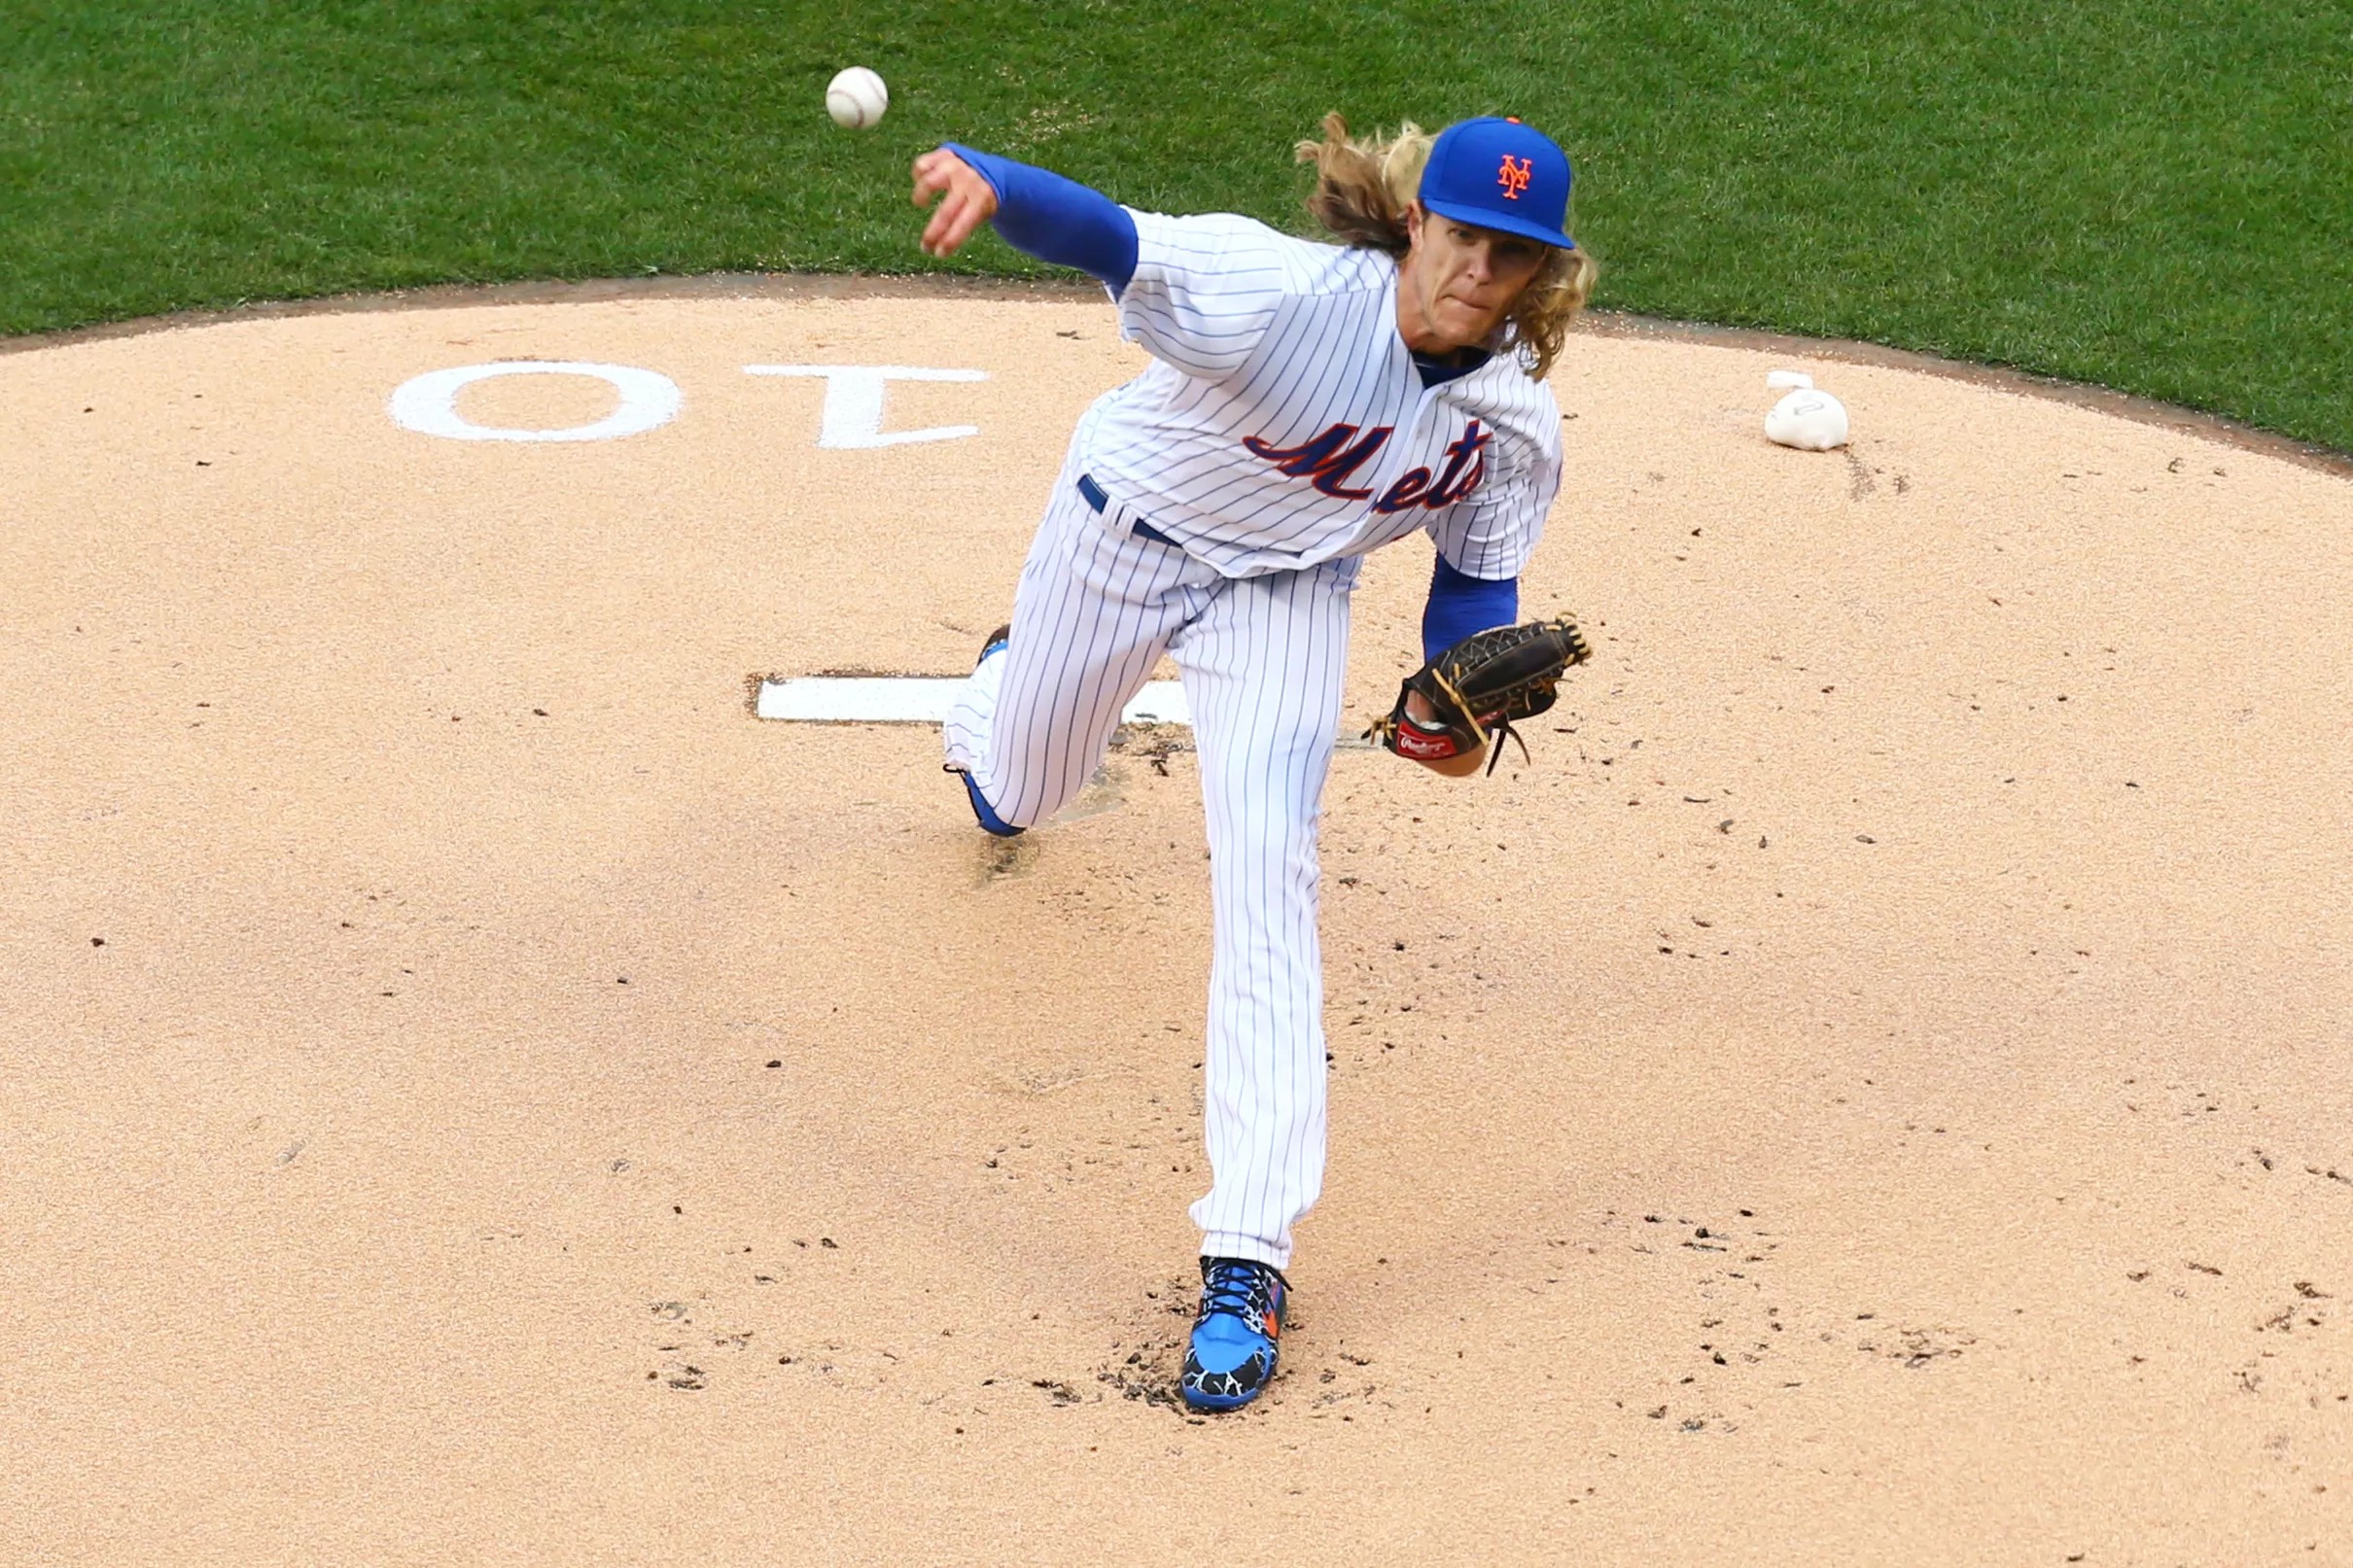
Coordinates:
(1479, 688)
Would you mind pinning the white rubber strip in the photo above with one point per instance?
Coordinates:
(922, 700)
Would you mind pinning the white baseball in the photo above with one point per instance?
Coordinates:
(855, 97)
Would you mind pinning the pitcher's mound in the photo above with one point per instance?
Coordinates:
(1871, 1090)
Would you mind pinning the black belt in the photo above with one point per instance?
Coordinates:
(1092, 494)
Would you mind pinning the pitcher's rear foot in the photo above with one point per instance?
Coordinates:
(996, 641)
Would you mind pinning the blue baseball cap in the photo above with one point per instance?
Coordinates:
(1499, 174)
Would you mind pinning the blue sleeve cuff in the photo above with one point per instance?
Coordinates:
(1461, 604)
(1056, 219)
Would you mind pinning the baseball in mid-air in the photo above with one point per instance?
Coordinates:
(855, 97)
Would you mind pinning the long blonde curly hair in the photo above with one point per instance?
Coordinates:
(1363, 192)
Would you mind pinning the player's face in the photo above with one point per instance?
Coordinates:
(1464, 277)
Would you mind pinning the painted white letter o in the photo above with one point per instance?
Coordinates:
(428, 403)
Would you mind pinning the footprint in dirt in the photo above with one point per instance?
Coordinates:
(1147, 1361)
(1003, 859)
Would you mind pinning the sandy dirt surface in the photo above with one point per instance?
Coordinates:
(1875, 1089)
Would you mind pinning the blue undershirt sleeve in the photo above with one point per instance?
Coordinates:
(1057, 220)
(1461, 604)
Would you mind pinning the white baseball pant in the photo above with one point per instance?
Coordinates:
(1262, 660)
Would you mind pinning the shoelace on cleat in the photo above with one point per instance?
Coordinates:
(1236, 1288)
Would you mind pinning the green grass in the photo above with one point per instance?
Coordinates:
(2156, 196)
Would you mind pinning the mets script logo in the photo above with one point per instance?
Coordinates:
(1330, 460)
(1513, 176)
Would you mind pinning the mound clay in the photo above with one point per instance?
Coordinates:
(1872, 1089)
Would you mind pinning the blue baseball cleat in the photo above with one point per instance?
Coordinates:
(987, 819)
(996, 643)
(1236, 1338)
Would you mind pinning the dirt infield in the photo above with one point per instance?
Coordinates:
(1875, 1089)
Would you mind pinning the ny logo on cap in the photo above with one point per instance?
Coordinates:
(1513, 176)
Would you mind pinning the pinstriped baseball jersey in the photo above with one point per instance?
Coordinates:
(1283, 422)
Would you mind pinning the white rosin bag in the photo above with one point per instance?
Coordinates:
(1809, 420)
